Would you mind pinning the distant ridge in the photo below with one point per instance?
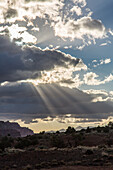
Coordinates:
(14, 129)
(53, 131)
(79, 128)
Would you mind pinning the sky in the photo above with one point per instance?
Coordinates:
(56, 63)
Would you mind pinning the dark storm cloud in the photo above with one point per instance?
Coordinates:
(21, 64)
(24, 101)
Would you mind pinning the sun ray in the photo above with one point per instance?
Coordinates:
(45, 98)
(69, 98)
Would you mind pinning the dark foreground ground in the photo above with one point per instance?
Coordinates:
(90, 149)
(81, 168)
(58, 159)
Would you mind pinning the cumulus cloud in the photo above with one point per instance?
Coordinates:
(61, 18)
(100, 95)
(91, 78)
(30, 62)
(106, 61)
(85, 26)
(101, 62)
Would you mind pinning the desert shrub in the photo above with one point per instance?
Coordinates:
(62, 162)
(28, 167)
(106, 129)
(102, 146)
(40, 136)
(109, 142)
(42, 133)
(24, 142)
(41, 147)
(6, 142)
(57, 141)
(89, 152)
(110, 125)
(38, 166)
(33, 140)
(99, 129)
(82, 130)
(70, 130)
(88, 130)
(78, 139)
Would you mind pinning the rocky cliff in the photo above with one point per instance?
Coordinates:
(14, 129)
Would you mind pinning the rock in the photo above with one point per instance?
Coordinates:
(13, 129)
(14, 166)
(104, 154)
(28, 167)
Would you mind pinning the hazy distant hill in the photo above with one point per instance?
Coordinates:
(14, 129)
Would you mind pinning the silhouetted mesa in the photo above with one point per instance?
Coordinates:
(14, 129)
